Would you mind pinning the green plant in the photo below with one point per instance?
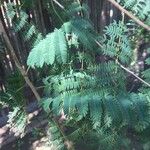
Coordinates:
(89, 84)
(29, 32)
(13, 97)
(140, 8)
(91, 90)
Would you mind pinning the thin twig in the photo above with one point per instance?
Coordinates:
(61, 6)
(40, 87)
(127, 70)
(20, 88)
(55, 11)
(27, 70)
(129, 14)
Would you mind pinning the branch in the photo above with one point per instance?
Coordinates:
(61, 6)
(22, 71)
(129, 14)
(127, 70)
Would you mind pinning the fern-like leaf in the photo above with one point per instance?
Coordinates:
(53, 47)
(17, 121)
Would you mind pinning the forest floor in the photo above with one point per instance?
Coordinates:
(32, 141)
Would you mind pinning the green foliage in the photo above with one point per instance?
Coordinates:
(54, 12)
(92, 93)
(21, 24)
(116, 43)
(74, 9)
(71, 33)
(146, 75)
(121, 110)
(56, 140)
(96, 92)
(140, 8)
(85, 95)
(17, 121)
(53, 46)
(13, 98)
